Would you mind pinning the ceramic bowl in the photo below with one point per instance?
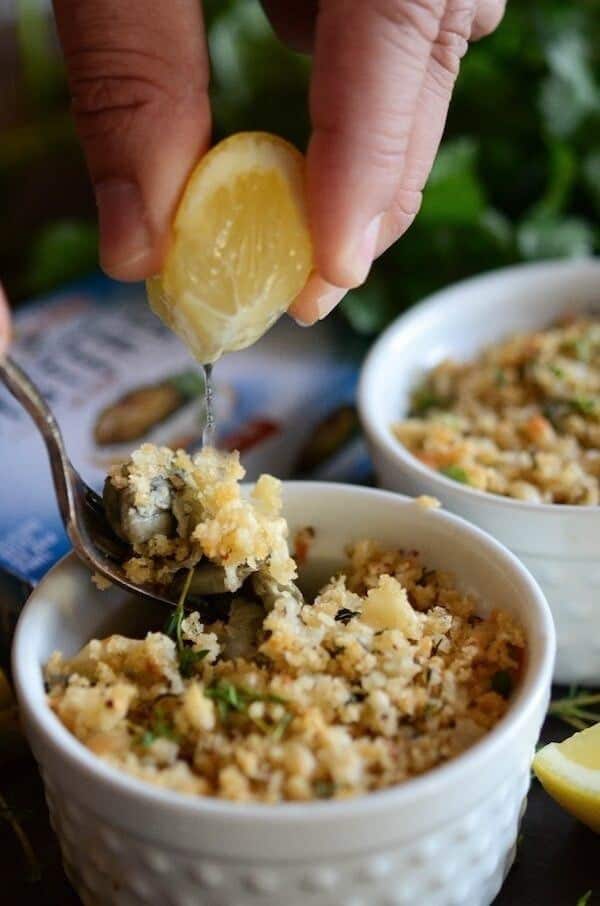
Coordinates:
(560, 545)
(446, 838)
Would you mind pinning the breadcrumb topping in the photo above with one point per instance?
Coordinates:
(521, 420)
(388, 672)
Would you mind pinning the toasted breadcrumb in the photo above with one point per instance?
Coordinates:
(521, 420)
(388, 672)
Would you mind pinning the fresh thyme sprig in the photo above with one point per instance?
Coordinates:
(186, 656)
(232, 699)
(159, 727)
(578, 709)
(7, 814)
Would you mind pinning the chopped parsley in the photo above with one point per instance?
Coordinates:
(585, 405)
(425, 399)
(160, 727)
(582, 349)
(557, 371)
(502, 683)
(500, 378)
(324, 789)
(456, 473)
(344, 615)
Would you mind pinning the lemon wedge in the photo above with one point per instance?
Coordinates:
(240, 249)
(570, 772)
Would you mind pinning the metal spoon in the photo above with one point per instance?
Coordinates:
(82, 510)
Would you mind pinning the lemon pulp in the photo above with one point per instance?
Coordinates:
(240, 250)
(570, 773)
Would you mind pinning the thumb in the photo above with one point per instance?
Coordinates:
(138, 75)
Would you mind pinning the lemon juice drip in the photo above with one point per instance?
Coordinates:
(208, 432)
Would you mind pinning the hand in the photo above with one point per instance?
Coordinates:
(383, 76)
(4, 323)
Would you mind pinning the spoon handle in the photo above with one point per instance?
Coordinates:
(25, 392)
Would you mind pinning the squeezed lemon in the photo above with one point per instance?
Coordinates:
(570, 772)
(240, 249)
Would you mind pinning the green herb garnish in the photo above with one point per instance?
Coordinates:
(585, 405)
(456, 473)
(344, 615)
(502, 683)
(582, 349)
(585, 899)
(425, 399)
(500, 379)
(231, 699)
(187, 657)
(324, 789)
(280, 728)
(8, 815)
(557, 371)
(578, 709)
(160, 727)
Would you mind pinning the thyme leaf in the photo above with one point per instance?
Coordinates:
(33, 865)
(425, 399)
(578, 709)
(187, 657)
(160, 727)
(231, 699)
(585, 405)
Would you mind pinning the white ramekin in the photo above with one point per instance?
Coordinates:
(445, 839)
(559, 544)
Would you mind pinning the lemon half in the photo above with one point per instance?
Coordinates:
(240, 249)
(570, 772)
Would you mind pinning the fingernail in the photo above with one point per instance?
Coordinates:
(363, 255)
(315, 301)
(124, 234)
(327, 301)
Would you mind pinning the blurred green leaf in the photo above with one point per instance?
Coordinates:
(591, 175)
(454, 193)
(257, 82)
(517, 177)
(43, 72)
(555, 238)
(61, 252)
(370, 307)
(561, 177)
(570, 92)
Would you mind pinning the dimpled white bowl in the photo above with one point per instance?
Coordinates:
(559, 544)
(446, 838)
